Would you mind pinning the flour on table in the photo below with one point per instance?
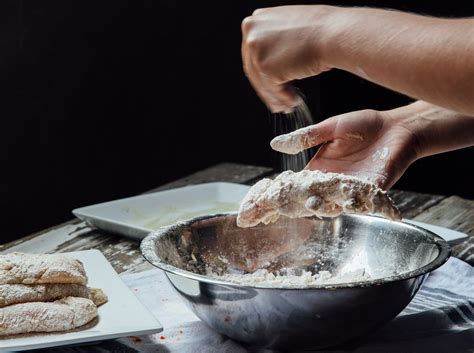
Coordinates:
(309, 193)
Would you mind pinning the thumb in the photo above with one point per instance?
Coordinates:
(307, 137)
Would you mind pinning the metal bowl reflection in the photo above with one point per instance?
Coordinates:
(398, 257)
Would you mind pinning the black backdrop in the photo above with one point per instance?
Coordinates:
(106, 99)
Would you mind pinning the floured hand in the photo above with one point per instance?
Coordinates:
(369, 144)
(308, 193)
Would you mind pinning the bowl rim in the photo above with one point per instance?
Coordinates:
(147, 247)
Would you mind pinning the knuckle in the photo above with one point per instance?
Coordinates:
(251, 42)
(246, 70)
(371, 113)
(258, 11)
(263, 65)
(247, 24)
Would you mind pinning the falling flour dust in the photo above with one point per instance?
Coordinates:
(284, 123)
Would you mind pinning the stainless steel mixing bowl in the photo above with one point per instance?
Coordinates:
(397, 256)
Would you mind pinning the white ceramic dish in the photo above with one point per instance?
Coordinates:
(123, 315)
(451, 236)
(137, 216)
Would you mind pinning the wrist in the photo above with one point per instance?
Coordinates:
(325, 32)
(419, 119)
(339, 29)
(408, 119)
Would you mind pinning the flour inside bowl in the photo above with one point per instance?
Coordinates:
(292, 278)
(290, 253)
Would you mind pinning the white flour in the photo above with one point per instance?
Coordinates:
(21, 268)
(24, 293)
(61, 315)
(294, 121)
(294, 142)
(293, 278)
(308, 193)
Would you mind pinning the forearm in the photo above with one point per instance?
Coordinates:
(436, 129)
(426, 58)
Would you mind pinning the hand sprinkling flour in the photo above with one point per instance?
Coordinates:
(367, 144)
(308, 193)
(284, 44)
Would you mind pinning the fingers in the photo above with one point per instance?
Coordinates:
(278, 96)
(305, 138)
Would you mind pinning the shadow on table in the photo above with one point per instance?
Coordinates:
(99, 347)
(421, 333)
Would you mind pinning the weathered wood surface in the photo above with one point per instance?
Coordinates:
(452, 212)
(228, 172)
(124, 255)
(411, 203)
(458, 214)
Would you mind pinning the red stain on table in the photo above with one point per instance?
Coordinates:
(135, 339)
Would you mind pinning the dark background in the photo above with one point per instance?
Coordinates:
(106, 99)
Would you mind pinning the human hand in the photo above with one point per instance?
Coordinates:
(312, 193)
(367, 143)
(282, 44)
(288, 43)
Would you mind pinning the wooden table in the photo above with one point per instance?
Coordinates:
(124, 255)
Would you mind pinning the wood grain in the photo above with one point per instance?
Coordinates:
(452, 212)
(228, 172)
(122, 253)
(412, 203)
(125, 257)
(458, 214)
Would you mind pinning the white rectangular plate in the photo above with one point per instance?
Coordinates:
(123, 315)
(137, 216)
(451, 236)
